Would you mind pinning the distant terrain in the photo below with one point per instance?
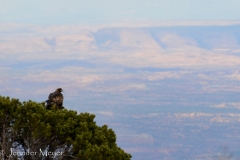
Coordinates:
(167, 91)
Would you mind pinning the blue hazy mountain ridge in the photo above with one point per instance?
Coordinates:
(205, 36)
(167, 92)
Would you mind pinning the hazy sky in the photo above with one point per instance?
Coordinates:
(107, 11)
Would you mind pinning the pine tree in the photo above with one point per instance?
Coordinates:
(45, 134)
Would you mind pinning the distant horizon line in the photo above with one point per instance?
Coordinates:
(133, 24)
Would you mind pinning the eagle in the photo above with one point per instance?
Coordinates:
(55, 98)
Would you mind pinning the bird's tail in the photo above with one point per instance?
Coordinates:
(48, 103)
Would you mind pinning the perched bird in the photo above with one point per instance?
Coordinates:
(55, 98)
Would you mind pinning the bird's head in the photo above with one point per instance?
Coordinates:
(59, 90)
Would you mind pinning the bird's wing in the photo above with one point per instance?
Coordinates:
(50, 97)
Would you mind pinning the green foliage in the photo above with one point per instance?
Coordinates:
(29, 126)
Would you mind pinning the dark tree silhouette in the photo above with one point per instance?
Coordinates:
(44, 134)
